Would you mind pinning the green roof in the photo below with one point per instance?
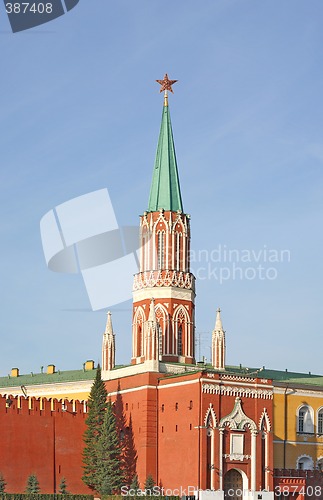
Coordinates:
(44, 378)
(278, 375)
(165, 189)
(79, 375)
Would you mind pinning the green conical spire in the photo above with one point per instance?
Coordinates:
(165, 190)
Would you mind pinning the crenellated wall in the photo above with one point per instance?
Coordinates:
(43, 437)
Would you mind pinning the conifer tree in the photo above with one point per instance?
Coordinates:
(63, 487)
(135, 483)
(109, 474)
(32, 484)
(149, 484)
(128, 457)
(97, 405)
(2, 484)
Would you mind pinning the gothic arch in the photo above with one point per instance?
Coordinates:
(163, 322)
(138, 332)
(181, 328)
(264, 422)
(210, 416)
(182, 229)
(237, 419)
(160, 220)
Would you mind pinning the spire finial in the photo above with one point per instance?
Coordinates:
(109, 327)
(218, 322)
(166, 85)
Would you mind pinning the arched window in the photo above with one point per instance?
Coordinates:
(139, 341)
(320, 421)
(305, 422)
(178, 252)
(160, 340)
(305, 462)
(138, 323)
(179, 341)
(161, 249)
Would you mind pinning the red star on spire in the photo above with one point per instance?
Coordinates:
(166, 84)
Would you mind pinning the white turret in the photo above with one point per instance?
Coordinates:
(108, 345)
(218, 344)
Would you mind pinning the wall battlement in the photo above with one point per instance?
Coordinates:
(32, 406)
(42, 436)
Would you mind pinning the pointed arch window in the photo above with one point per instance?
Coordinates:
(161, 249)
(139, 340)
(160, 340)
(180, 340)
(178, 252)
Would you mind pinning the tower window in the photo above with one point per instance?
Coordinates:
(191, 405)
(179, 341)
(161, 250)
(162, 408)
(176, 406)
(160, 340)
(178, 252)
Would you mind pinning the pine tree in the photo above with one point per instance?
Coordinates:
(2, 484)
(149, 484)
(126, 441)
(97, 405)
(109, 474)
(135, 483)
(129, 455)
(32, 484)
(63, 487)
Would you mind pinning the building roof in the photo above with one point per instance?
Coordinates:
(44, 378)
(79, 375)
(165, 188)
(278, 375)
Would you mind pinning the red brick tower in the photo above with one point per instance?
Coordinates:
(164, 273)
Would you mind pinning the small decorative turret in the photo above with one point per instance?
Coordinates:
(108, 345)
(218, 344)
(151, 334)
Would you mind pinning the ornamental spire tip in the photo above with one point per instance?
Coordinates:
(166, 85)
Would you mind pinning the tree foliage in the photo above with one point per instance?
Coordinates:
(135, 483)
(109, 474)
(128, 457)
(32, 484)
(149, 484)
(97, 405)
(2, 484)
(63, 487)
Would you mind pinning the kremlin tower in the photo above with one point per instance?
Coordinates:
(164, 289)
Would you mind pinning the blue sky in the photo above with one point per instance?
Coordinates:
(80, 111)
